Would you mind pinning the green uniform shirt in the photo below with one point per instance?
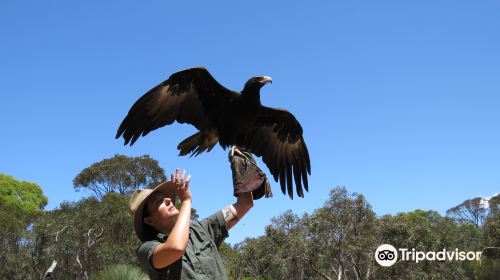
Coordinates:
(201, 260)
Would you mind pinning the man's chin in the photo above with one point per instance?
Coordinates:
(175, 215)
(172, 220)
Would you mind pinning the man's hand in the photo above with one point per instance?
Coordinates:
(182, 185)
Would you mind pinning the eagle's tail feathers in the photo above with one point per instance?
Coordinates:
(198, 143)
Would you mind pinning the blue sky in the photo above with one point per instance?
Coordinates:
(398, 100)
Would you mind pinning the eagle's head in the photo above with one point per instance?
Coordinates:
(255, 83)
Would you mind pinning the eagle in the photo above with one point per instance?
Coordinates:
(226, 117)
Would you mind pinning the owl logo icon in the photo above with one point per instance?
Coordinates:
(386, 255)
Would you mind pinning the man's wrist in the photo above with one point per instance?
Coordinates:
(245, 196)
(229, 213)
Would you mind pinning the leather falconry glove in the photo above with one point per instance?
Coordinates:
(247, 176)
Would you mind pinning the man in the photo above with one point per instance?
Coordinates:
(174, 248)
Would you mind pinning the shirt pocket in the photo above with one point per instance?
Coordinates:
(205, 249)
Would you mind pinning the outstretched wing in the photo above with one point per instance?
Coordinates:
(277, 137)
(189, 96)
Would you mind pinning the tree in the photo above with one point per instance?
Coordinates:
(25, 199)
(121, 174)
(472, 211)
(20, 203)
(256, 259)
(342, 233)
(426, 231)
(490, 264)
(336, 241)
(85, 236)
(491, 227)
(295, 257)
(494, 204)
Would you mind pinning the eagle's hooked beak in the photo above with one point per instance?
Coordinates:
(266, 79)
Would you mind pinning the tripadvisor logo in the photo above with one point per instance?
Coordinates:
(387, 255)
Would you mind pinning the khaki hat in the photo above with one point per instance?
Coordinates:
(139, 198)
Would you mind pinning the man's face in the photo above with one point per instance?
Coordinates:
(162, 210)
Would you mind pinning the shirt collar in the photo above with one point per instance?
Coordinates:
(162, 237)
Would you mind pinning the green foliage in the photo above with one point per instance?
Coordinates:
(86, 236)
(491, 228)
(494, 204)
(342, 231)
(120, 272)
(229, 257)
(488, 268)
(120, 174)
(25, 199)
(426, 231)
(338, 241)
(20, 203)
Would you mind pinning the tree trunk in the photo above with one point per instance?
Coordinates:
(50, 272)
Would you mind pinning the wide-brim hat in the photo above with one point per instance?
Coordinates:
(139, 198)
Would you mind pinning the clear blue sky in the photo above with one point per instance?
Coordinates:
(399, 100)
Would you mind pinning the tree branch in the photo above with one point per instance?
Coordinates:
(49, 273)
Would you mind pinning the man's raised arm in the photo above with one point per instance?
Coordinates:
(234, 212)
